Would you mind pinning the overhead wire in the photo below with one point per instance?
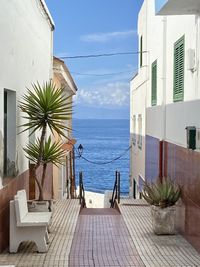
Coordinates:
(106, 162)
(98, 75)
(101, 55)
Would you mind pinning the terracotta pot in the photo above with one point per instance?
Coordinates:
(163, 220)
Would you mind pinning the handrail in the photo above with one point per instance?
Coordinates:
(116, 190)
(81, 191)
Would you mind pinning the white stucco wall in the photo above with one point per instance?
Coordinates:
(167, 120)
(26, 56)
(137, 155)
(185, 25)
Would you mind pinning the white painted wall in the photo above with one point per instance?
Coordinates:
(167, 120)
(185, 25)
(26, 56)
(137, 155)
(148, 25)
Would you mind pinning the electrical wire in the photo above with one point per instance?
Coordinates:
(99, 75)
(101, 55)
(106, 162)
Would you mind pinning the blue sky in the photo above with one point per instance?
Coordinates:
(96, 27)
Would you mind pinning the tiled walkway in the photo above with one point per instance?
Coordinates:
(156, 251)
(61, 236)
(102, 239)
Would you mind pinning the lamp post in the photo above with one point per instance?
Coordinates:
(80, 150)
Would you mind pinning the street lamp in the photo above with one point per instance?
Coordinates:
(80, 150)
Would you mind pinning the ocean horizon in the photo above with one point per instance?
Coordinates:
(103, 140)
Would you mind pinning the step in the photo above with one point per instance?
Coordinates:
(100, 211)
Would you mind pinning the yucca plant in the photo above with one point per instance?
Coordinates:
(45, 107)
(163, 193)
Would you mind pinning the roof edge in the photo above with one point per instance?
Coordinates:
(66, 70)
(46, 10)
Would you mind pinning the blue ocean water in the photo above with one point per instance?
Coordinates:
(103, 140)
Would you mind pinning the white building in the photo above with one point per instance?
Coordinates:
(26, 30)
(165, 99)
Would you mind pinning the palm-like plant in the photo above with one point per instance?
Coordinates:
(163, 193)
(45, 107)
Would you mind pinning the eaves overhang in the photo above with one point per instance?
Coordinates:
(177, 7)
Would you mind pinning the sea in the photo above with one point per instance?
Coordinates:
(103, 141)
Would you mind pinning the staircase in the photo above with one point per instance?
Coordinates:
(93, 212)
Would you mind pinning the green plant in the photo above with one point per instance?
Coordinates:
(164, 192)
(45, 107)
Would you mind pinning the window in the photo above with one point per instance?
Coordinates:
(154, 83)
(141, 51)
(140, 131)
(179, 51)
(134, 129)
(9, 133)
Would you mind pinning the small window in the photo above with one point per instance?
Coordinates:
(154, 83)
(141, 51)
(134, 130)
(140, 131)
(179, 54)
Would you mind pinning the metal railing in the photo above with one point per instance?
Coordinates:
(116, 190)
(81, 191)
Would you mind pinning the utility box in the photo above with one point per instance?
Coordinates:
(191, 137)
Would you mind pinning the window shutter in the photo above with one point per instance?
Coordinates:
(154, 83)
(179, 53)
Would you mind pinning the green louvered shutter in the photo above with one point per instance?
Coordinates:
(154, 83)
(179, 54)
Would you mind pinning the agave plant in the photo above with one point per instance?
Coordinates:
(45, 107)
(163, 193)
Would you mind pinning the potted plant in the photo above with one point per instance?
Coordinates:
(162, 195)
(46, 108)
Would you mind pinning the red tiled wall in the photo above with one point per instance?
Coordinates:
(183, 165)
(6, 194)
(48, 184)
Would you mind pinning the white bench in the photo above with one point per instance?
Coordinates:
(27, 226)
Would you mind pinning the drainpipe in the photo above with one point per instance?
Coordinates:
(162, 157)
(197, 91)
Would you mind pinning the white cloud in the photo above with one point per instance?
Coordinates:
(113, 95)
(106, 37)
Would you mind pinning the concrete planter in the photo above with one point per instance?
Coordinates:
(163, 220)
